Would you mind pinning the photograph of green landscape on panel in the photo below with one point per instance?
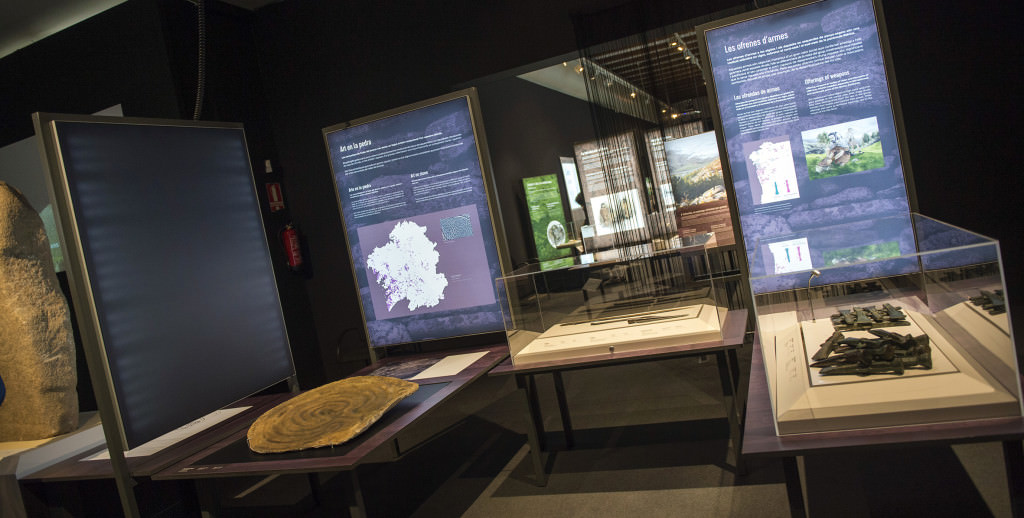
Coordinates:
(850, 147)
(547, 216)
(860, 254)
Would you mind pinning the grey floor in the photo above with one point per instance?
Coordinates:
(652, 440)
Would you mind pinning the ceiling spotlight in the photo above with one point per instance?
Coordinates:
(675, 115)
(579, 69)
(632, 94)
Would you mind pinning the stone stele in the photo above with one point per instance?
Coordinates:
(37, 349)
(328, 415)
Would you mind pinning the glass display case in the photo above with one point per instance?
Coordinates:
(630, 299)
(903, 321)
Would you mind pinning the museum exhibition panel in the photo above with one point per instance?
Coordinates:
(774, 209)
(413, 192)
(868, 314)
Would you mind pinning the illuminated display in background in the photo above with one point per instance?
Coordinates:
(610, 174)
(413, 199)
(547, 216)
(698, 188)
(577, 212)
(811, 140)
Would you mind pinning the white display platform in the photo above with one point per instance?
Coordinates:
(962, 390)
(644, 330)
(33, 456)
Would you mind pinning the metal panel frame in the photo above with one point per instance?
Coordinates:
(493, 207)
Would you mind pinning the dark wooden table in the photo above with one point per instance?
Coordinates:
(760, 440)
(724, 350)
(230, 455)
(77, 468)
(52, 487)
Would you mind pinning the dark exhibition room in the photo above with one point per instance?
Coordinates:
(311, 258)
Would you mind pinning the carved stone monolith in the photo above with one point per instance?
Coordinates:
(37, 348)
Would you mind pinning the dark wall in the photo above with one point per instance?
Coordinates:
(233, 91)
(957, 70)
(142, 55)
(528, 128)
(116, 57)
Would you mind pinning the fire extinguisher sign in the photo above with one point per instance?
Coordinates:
(274, 196)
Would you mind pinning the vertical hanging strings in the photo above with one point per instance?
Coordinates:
(200, 59)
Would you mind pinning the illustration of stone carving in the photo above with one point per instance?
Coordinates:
(37, 350)
(456, 227)
(328, 415)
(405, 370)
(555, 233)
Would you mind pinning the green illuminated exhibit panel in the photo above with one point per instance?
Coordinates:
(547, 216)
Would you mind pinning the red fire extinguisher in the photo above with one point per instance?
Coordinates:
(292, 247)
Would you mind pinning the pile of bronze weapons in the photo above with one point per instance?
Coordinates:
(888, 353)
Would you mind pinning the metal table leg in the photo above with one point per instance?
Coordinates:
(534, 428)
(563, 409)
(728, 394)
(353, 494)
(1013, 456)
(794, 490)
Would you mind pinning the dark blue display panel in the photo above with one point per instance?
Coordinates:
(174, 250)
(810, 134)
(415, 208)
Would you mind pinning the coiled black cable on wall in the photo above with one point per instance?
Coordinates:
(201, 76)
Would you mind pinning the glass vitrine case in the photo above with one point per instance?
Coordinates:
(905, 322)
(620, 300)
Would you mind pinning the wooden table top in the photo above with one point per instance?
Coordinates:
(231, 455)
(77, 468)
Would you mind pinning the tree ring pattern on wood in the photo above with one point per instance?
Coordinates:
(328, 415)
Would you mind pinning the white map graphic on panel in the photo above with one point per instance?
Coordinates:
(406, 267)
(773, 163)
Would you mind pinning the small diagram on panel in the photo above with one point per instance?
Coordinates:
(849, 147)
(790, 256)
(770, 163)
